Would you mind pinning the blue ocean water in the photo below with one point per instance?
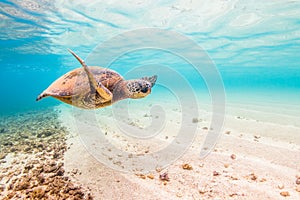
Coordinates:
(254, 45)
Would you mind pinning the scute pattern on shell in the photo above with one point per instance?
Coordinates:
(76, 81)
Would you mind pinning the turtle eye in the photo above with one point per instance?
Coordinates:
(144, 90)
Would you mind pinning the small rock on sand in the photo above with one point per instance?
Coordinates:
(233, 156)
(151, 176)
(280, 186)
(233, 194)
(262, 180)
(142, 176)
(298, 181)
(158, 169)
(256, 136)
(2, 187)
(215, 173)
(298, 188)
(164, 177)
(187, 166)
(195, 120)
(179, 194)
(228, 132)
(226, 165)
(253, 177)
(285, 194)
(202, 191)
(2, 156)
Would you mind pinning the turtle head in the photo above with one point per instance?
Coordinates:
(140, 88)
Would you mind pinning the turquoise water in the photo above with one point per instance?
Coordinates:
(255, 46)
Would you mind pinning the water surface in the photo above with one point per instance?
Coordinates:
(254, 45)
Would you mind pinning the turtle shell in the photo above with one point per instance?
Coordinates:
(75, 82)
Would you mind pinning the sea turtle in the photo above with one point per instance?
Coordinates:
(96, 87)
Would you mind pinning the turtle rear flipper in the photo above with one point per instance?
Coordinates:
(95, 86)
(43, 95)
(47, 94)
(64, 97)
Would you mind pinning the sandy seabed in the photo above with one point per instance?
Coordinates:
(253, 159)
(54, 154)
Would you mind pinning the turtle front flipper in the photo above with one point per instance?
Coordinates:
(95, 86)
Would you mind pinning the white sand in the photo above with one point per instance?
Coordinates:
(267, 159)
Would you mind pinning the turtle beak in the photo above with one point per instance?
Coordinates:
(149, 91)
